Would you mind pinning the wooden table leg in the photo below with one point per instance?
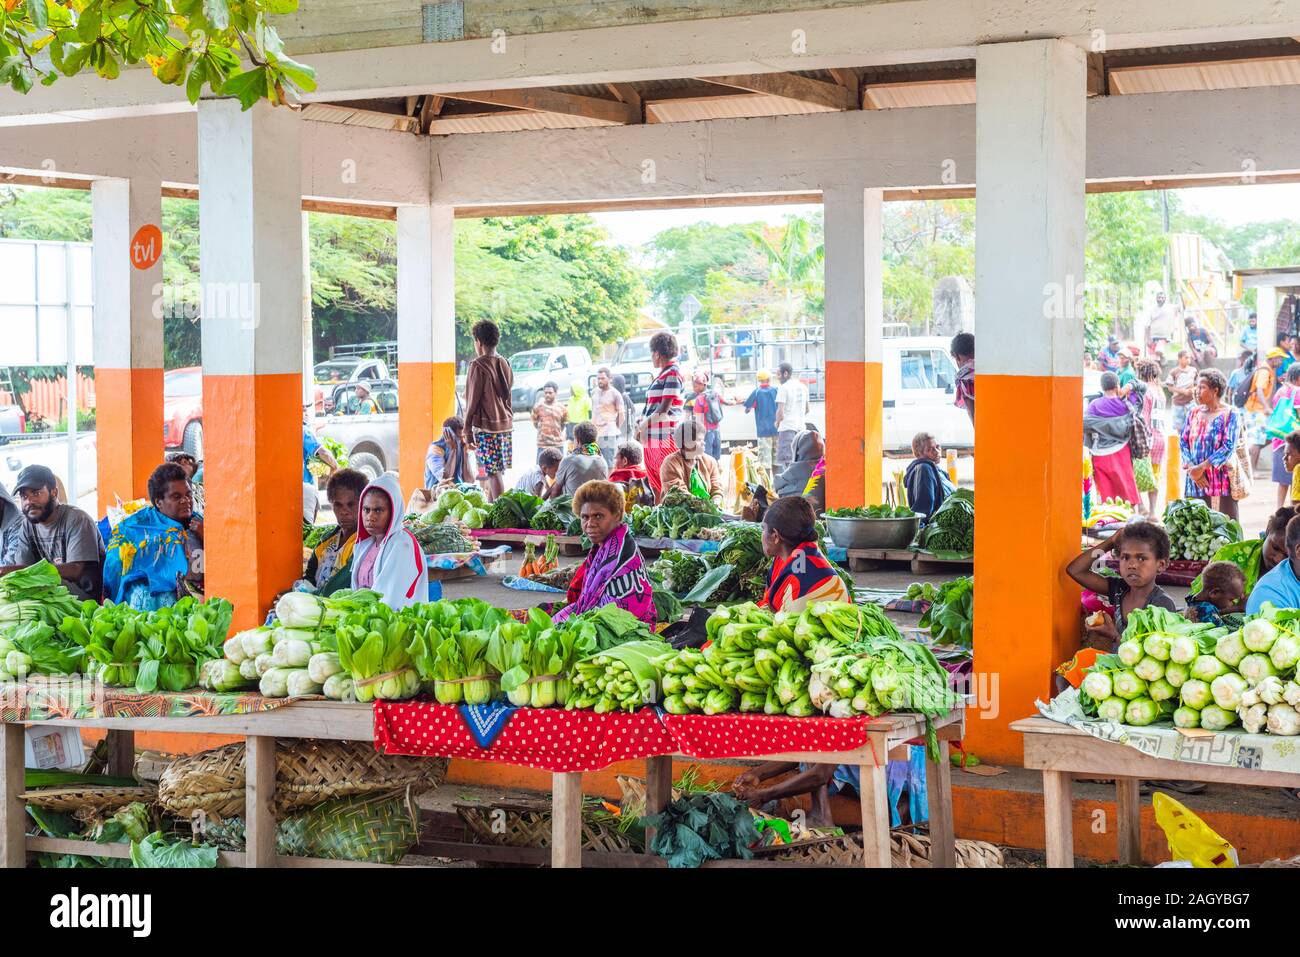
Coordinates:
(1058, 811)
(658, 788)
(566, 819)
(938, 786)
(259, 801)
(875, 814)
(1128, 811)
(13, 815)
(121, 753)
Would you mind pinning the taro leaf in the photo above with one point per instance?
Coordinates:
(709, 583)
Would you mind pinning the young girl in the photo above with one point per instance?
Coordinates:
(1143, 550)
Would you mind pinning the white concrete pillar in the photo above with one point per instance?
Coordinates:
(1030, 121)
(854, 327)
(128, 334)
(426, 333)
(250, 263)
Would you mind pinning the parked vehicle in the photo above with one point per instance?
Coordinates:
(536, 367)
(183, 410)
(371, 439)
(632, 362)
(12, 422)
(335, 375)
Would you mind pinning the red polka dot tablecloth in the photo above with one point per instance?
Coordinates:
(750, 735)
(556, 740)
(546, 738)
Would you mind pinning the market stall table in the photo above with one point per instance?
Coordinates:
(356, 722)
(1059, 751)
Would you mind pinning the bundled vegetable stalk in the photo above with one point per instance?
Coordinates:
(35, 593)
(621, 678)
(609, 626)
(35, 648)
(175, 641)
(107, 635)
(451, 656)
(1196, 531)
(881, 674)
(1201, 676)
(372, 648)
(439, 538)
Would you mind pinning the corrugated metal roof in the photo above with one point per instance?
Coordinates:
(351, 116)
(1229, 75)
(510, 122)
(890, 96)
(728, 107)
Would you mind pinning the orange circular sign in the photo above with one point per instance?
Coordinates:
(146, 246)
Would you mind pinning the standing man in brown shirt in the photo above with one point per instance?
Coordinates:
(489, 418)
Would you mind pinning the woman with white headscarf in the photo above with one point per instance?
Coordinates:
(386, 557)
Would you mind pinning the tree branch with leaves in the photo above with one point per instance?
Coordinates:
(225, 46)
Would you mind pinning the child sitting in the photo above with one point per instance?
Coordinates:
(1143, 550)
(1223, 592)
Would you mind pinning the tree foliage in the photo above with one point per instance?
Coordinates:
(226, 46)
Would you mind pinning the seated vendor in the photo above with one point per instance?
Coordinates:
(631, 475)
(806, 474)
(584, 464)
(1143, 550)
(690, 468)
(49, 529)
(927, 484)
(801, 573)
(155, 555)
(448, 458)
(540, 479)
(1222, 592)
(387, 558)
(1281, 586)
(330, 565)
(613, 572)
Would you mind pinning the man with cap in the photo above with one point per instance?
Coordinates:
(59, 533)
(762, 402)
(1110, 356)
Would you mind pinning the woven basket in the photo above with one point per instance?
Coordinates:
(906, 850)
(528, 824)
(307, 772)
(1283, 862)
(87, 797)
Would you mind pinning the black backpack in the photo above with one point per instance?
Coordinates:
(1242, 392)
(713, 408)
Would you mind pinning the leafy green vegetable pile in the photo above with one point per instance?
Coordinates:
(465, 504)
(952, 527)
(513, 510)
(436, 538)
(872, 511)
(35, 593)
(681, 515)
(703, 827)
(679, 572)
(1196, 531)
(313, 535)
(951, 618)
(1200, 675)
(557, 516)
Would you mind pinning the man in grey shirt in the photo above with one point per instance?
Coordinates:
(59, 533)
(584, 464)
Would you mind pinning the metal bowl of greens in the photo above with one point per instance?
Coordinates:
(873, 527)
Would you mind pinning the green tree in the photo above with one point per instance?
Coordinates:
(683, 257)
(228, 46)
(1124, 250)
(796, 256)
(923, 243)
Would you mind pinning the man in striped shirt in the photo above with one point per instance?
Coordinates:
(663, 405)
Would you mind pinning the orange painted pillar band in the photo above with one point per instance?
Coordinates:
(426, 398)
(254, 490)
(1028, 618)
(854, 425)
(128, 428)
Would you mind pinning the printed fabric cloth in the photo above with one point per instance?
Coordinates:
(1209, 438)
(561, 741)
(965, 386)
(806, 576)
(147, 548)
(78, 699)
(612, 574)
(549, 421)
(663, 408)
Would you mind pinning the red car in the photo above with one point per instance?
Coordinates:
(183, 410)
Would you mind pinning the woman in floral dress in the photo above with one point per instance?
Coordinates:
(1209, 441)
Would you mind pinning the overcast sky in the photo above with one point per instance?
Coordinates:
(1233, 204)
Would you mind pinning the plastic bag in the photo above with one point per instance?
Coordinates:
(1190, 838)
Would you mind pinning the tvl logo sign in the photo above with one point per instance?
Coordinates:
(146, 246)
